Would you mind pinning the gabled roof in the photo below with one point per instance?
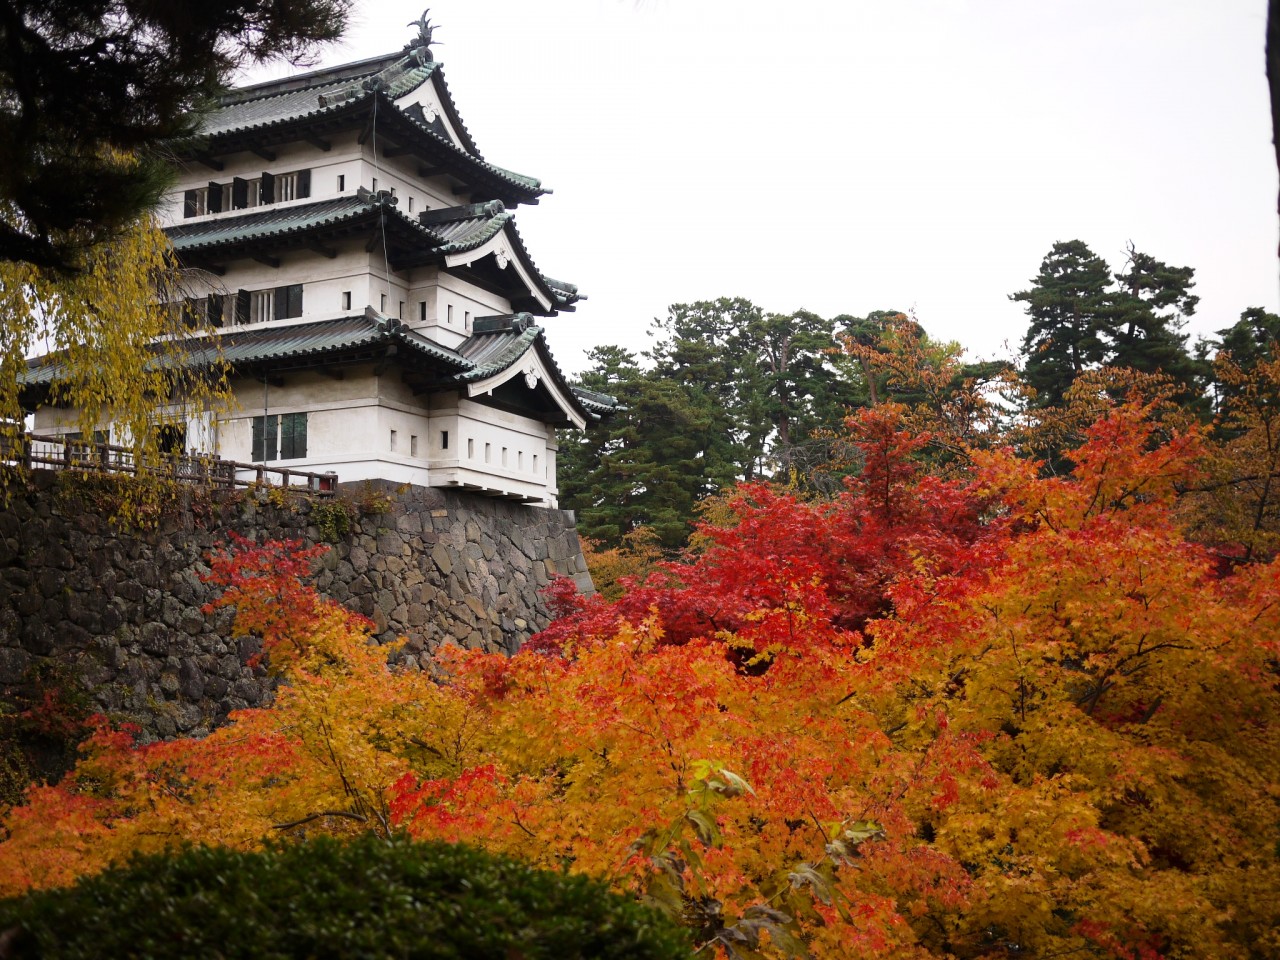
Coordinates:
(501, 342)
(436, 236)
(313, 105)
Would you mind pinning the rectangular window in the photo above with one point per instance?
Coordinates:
(535, 463)
(471, 449)
(487, 448)
(449, 313)
(393, 441)
(342, 182)
(393, 191)
(195, 203)
(422, 311)
(382, 304)
(375, 185)
(239, 193)
(253, 193)
(293, 436)
(286, 187)
(411, 204)
(346, 299)
(401, 313)
(413, 444)
(519, 459)
(444, 439)
(466, 321)
(282, 187)
(504, 456)
(262, 306)
(213, 201)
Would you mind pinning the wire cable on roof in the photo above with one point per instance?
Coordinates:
(382, 210)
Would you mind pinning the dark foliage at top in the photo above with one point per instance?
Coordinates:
(90, 89)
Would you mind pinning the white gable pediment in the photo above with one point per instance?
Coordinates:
(530, 373)
(428, 98)
(502, 247)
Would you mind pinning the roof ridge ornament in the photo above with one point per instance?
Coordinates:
(421, 44)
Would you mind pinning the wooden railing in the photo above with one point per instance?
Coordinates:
(32, 451)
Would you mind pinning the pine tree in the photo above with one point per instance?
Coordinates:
(1070, 308)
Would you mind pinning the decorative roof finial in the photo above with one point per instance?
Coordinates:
(421, 44)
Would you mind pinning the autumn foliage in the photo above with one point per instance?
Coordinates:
(994, 715)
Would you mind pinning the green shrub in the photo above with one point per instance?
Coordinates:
(326, 899)
(332, 518)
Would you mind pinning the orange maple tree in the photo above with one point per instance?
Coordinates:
(994, 715)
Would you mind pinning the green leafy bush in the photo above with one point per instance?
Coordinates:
(322, 898)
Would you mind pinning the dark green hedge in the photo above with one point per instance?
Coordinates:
(321, 898)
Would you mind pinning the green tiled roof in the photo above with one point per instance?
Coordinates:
(274, 223)
(334, 92)
(499, 343)
(437, 233)
(254, 346)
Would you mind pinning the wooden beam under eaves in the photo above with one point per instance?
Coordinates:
(425, 171)
(319, 144)
(394, 151)
(385, 360)
(264, 153)
(272, 262)
(323, 250)
(365, 133)
(217, 269)
(334, 373)
(210, 161)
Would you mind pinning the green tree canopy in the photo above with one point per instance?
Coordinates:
(1067, 304)
(1082, 316)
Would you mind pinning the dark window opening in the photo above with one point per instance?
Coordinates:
(281, 436)
(172, 439)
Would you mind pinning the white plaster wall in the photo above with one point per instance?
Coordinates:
(349, 429)
(343, 158)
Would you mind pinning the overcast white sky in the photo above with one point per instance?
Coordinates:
(865, 154)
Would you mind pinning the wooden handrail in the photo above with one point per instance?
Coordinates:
(33, 451)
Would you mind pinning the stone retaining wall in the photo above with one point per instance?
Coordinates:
(121, 608)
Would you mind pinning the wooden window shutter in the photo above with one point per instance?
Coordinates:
(216, 306)
(189, 203)
(288, 301)
(215, 197)
(304, 183)
(239, 193)
(267, 189)
(242, 306)
(293, 436)
(259, 448)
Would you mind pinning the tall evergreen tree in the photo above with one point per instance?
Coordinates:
(646, 466)
(91, 90)
(1069, 305)
(1150, 310)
